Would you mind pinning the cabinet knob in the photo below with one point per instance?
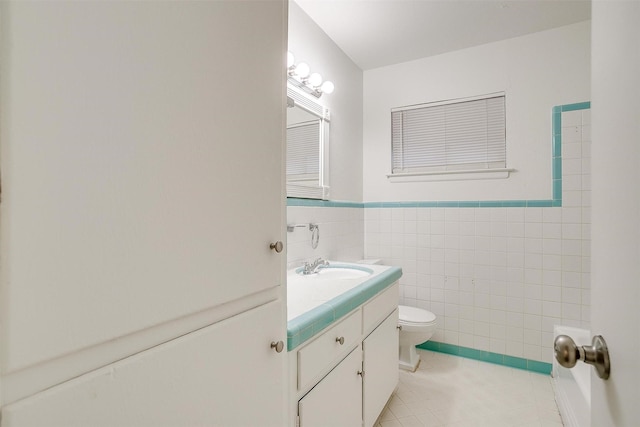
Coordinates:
(361, 373)
(277, 246)
(399, 327)
(340, 340)
(277, 346)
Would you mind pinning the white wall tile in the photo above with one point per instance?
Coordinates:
(533, 275)
(532, 306)
(552, 230)
(572, 198)
(514, 348)
(467, 228)
(552, 293)
(533, 215)
(533, 245)
(533, 352)
(551, 309)
(571, 311)
(551, 262)
(572, 182)
(571, 279)
(571, 167)
(532, 337)
(572, 246)
(571, 231)
(552, 246)
(571, 150)
(552, 214)
(572, 118)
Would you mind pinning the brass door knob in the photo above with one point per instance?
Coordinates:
(277, 246)
(567, 354)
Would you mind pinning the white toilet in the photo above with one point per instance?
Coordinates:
(416, 326)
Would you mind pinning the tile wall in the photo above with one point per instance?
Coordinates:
(499, 278)
(341, 233)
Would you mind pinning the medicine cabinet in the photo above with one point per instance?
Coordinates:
(307, 146)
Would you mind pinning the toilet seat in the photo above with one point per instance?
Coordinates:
(415, 316)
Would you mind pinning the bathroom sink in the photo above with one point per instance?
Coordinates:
(308, 291)
(339, 272)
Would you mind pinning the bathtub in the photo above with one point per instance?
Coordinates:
(572, 387)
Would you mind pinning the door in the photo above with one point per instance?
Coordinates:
(615, 110)
(335, 401)
(142, 178)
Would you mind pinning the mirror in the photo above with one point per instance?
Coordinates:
(307, 146)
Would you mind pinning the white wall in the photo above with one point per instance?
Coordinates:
(536, 71)
(311, 45)
(341, 228)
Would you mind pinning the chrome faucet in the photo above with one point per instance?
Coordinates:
(313, 267)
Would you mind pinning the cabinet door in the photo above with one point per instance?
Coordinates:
(380, 354)
(335, 401)
(222, 375)
(143, 169)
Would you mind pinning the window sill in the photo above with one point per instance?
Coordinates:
(459, 175)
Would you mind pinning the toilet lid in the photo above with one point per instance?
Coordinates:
(415, 315)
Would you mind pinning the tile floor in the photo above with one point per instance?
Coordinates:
(454, 391)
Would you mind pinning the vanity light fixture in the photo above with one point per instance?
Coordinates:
(300, 75)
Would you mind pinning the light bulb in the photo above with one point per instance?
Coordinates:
(302, 70)
(315, 79)
(327, 87)
(290, 59)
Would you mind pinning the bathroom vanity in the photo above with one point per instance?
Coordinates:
(342, 344)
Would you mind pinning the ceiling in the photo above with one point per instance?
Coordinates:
(376, 33)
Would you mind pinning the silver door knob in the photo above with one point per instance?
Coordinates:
(567, 354)
(340, 340)
(277, 346)
(277, 246)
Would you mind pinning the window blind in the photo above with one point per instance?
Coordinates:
(303, 153)
(464, 135)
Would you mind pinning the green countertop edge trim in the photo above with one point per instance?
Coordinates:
(304, 327)
(487, 356)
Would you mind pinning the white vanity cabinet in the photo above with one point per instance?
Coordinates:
(380, 363)
(337, 399)
(345, 375)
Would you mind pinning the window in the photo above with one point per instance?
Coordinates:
(303, 153)
(459, 136)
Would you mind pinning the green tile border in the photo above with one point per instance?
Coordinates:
(307, 325)
(294, 201)
(556, 172)
(487, 356)
(577, 106)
